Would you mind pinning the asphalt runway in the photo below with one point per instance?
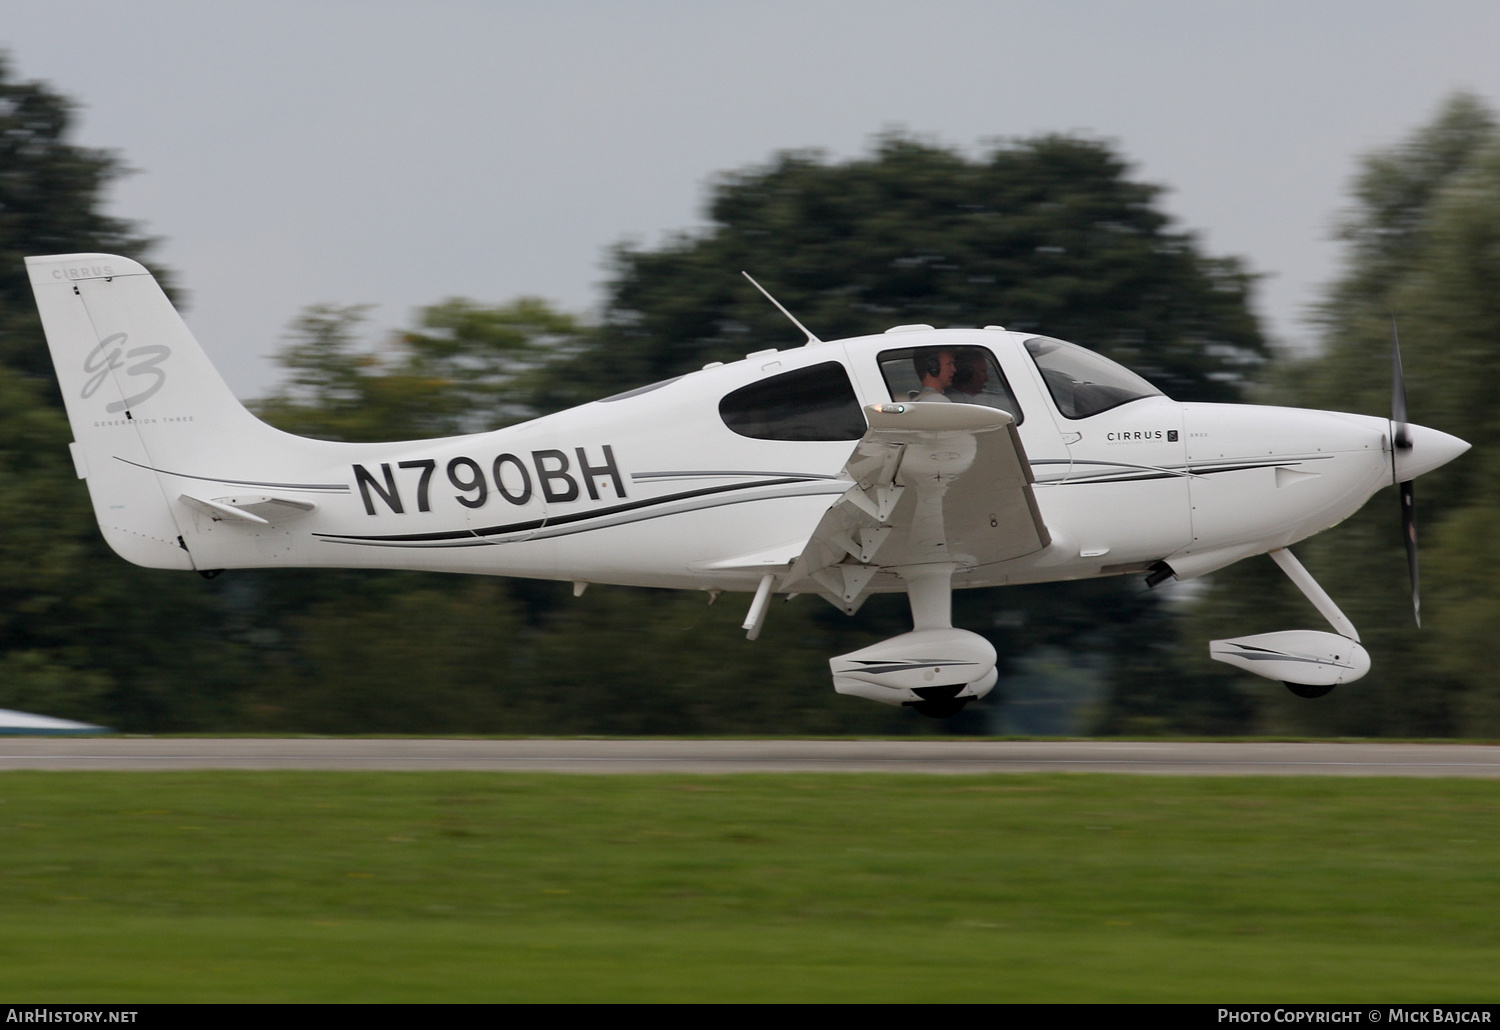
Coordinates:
(755, 756)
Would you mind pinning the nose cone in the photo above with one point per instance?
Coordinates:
(1429, 449)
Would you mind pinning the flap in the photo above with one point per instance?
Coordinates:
(771, 558)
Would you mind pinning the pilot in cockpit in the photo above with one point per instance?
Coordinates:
(936, 368)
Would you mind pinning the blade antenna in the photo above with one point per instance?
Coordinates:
(807, 332)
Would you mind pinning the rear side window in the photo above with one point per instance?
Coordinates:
(814, 403)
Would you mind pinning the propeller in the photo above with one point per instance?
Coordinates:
(1401, 441)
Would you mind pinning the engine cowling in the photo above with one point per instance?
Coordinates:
(925, 665)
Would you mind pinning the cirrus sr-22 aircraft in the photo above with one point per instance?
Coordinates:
(918, 460)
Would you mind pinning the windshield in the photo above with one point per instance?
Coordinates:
(1083, 383)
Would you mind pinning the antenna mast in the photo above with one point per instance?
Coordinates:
(807, 332)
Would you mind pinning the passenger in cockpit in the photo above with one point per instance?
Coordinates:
(970, 376)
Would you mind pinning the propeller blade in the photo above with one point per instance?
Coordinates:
(1401, 441)
(1398, 393)
(1409, 534)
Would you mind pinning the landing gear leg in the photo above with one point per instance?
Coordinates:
(1314, 593)
(929, 588)
(1321, 601)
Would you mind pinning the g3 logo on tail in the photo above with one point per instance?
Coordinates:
(106, 357)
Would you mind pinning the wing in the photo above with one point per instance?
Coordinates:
(932, 482)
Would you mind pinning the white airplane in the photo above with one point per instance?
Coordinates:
(918, 460)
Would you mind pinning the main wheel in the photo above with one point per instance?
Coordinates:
(1303, 690)
(941, 709)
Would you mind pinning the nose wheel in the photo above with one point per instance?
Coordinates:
(940, 709)
(939, 702)
(1308, 691)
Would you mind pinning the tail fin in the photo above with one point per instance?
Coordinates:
(141, 397)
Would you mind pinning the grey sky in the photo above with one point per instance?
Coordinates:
(291, 153)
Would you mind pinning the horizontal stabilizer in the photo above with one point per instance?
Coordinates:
(254, 510)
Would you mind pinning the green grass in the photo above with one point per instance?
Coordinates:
(478, 886)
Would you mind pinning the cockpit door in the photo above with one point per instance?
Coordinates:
(1125, 488)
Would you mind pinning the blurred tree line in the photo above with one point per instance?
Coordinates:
(1048, 233)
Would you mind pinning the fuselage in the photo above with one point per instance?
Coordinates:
(845, 468)
(702, 481)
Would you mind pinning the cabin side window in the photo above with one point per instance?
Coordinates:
(813, 403)
(963, 375)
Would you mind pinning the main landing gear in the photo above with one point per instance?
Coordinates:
(935, 669)
(939, 702)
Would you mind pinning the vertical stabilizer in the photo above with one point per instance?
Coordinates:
(140, 393)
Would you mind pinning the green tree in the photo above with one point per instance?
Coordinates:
(464, 368)
(491, 361)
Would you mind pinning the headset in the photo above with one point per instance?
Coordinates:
(928, 361)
